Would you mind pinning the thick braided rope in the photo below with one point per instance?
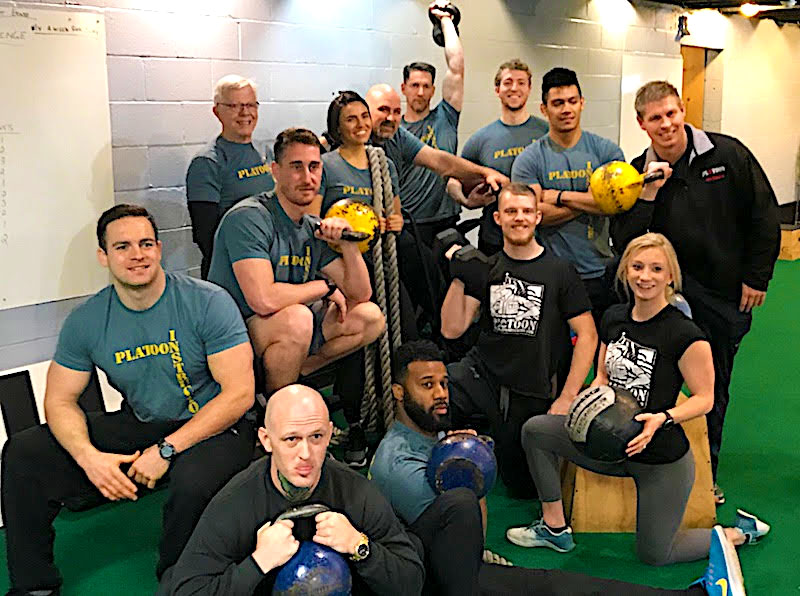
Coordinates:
(369, 403)
(384, 351)
(390, 256)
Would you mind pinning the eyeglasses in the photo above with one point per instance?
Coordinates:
(238, 106)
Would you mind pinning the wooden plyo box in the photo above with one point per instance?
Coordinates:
(598, 503)
(790, 245)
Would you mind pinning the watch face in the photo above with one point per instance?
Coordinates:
(166, 451)
(362, 550)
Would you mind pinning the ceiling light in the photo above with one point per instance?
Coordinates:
(749, 9)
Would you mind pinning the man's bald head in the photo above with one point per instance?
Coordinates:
(385, 109)
(294, 403)
(297, 430)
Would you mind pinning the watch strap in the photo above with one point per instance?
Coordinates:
(331, 288)
(668, 421)
(558, 199)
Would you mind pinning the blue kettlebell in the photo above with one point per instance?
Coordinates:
(463, 460)
(314, 569)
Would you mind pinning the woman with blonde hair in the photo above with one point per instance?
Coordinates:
(650, 348)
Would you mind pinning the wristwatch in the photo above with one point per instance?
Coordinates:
(668, 421)
(558, 199)
(166, 450)
(331, 288)
(362, 549)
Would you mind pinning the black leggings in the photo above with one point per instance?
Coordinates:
(452, 538)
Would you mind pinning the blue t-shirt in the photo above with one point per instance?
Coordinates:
(496, 146)
(258, 228)
(341, 180)
(402, 148)
(224, 172)
(398, 469)
(423, 191)
(582, 241)
(157, 358)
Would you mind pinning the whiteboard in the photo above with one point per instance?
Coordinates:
(55, 153)
(636, 71)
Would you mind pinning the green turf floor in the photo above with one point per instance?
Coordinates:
(112, 550)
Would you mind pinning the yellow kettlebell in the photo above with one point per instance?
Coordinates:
(361, 218)
(616, 185)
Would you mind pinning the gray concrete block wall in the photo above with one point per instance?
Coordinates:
(165, 55)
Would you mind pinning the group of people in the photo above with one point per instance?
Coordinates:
(286, 296)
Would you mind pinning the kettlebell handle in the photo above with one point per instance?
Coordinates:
(303, 511)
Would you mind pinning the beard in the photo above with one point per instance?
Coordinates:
(519, 240)
(426, 419)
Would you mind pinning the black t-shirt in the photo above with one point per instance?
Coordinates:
(525, 306)
(642, 357)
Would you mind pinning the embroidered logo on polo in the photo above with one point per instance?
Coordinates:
(515, 306)
(713, 174)
(630, 366)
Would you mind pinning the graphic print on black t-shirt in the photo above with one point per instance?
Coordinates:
(515, 306)
(630, 366)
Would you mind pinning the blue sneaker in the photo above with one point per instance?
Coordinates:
(539, 534)
(752, 527)
(723, 575)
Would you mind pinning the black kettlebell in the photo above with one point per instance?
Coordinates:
(438, 34)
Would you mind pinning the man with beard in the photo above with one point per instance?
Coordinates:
(425, 197)
(498, 144)
(268, 256)
(449, 525)
(406, 150)
(558, 168)
(526, 298)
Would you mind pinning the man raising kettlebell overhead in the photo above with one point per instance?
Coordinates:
(269, 257)
(237, 549)
(425, 197)
(526, 298)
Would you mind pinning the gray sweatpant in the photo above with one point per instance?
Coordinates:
(662, 491)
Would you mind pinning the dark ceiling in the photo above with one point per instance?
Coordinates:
(781, 15)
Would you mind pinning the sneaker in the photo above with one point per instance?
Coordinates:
(539, 534)
(491, 558)
(752, 527)
(723, 575)
(719, 496)
(355, 447)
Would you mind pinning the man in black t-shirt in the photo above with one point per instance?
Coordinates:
(526, 297)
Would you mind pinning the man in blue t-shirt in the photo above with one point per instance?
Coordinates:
(407, 151)
(426, 199)
(497, 145)
(451, 525)
(228, 169)
(558, 168)
(177, 350)
(305, 305)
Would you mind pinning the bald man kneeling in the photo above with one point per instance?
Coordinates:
(235, 549)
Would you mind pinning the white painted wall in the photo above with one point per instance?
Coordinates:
(761, 97)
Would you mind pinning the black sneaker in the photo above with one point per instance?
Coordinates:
(355, 447)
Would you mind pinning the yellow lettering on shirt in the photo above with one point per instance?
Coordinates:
(254, 171)
(364, 191)
(584, 173)
(429, 138)
(510, 152)
(169, 348)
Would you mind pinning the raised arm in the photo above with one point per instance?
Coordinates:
(453, 83)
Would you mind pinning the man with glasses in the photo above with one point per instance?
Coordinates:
(230, 168)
